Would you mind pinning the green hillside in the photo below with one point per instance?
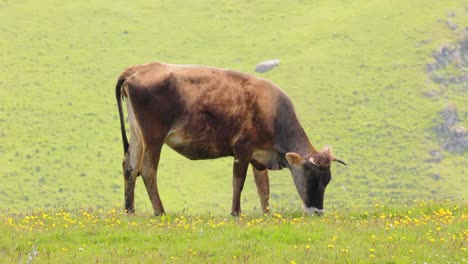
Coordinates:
(355, 70)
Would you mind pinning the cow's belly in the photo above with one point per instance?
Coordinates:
(197, 147)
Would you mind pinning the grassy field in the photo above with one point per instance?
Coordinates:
(355, 71)
(421, 232)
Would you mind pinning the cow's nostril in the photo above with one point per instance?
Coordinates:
(319, 212)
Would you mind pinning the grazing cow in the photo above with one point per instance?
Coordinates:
(206, 113)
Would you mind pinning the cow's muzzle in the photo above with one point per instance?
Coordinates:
(313, 210)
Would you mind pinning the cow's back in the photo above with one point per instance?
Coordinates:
(203, 112)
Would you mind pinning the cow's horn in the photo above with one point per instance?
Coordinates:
(340, 161)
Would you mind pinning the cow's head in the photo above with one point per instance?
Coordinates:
(311, 176)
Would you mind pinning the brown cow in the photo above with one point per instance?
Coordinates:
(206, 113)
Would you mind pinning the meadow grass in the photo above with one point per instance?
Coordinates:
(416, 232)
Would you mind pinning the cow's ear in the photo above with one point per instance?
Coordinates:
(294, 159)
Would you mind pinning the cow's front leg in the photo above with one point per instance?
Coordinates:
(263, 188)
(238, 179)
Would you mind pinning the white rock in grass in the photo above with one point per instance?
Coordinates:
(267, 65)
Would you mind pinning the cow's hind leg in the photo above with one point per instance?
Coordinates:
(238, 179)
(149, 170)
(263, 187)
(131, 164)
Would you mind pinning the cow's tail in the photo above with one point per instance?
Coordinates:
(118, 96)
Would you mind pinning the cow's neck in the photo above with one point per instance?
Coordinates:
(289, 134)
(294, 139)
